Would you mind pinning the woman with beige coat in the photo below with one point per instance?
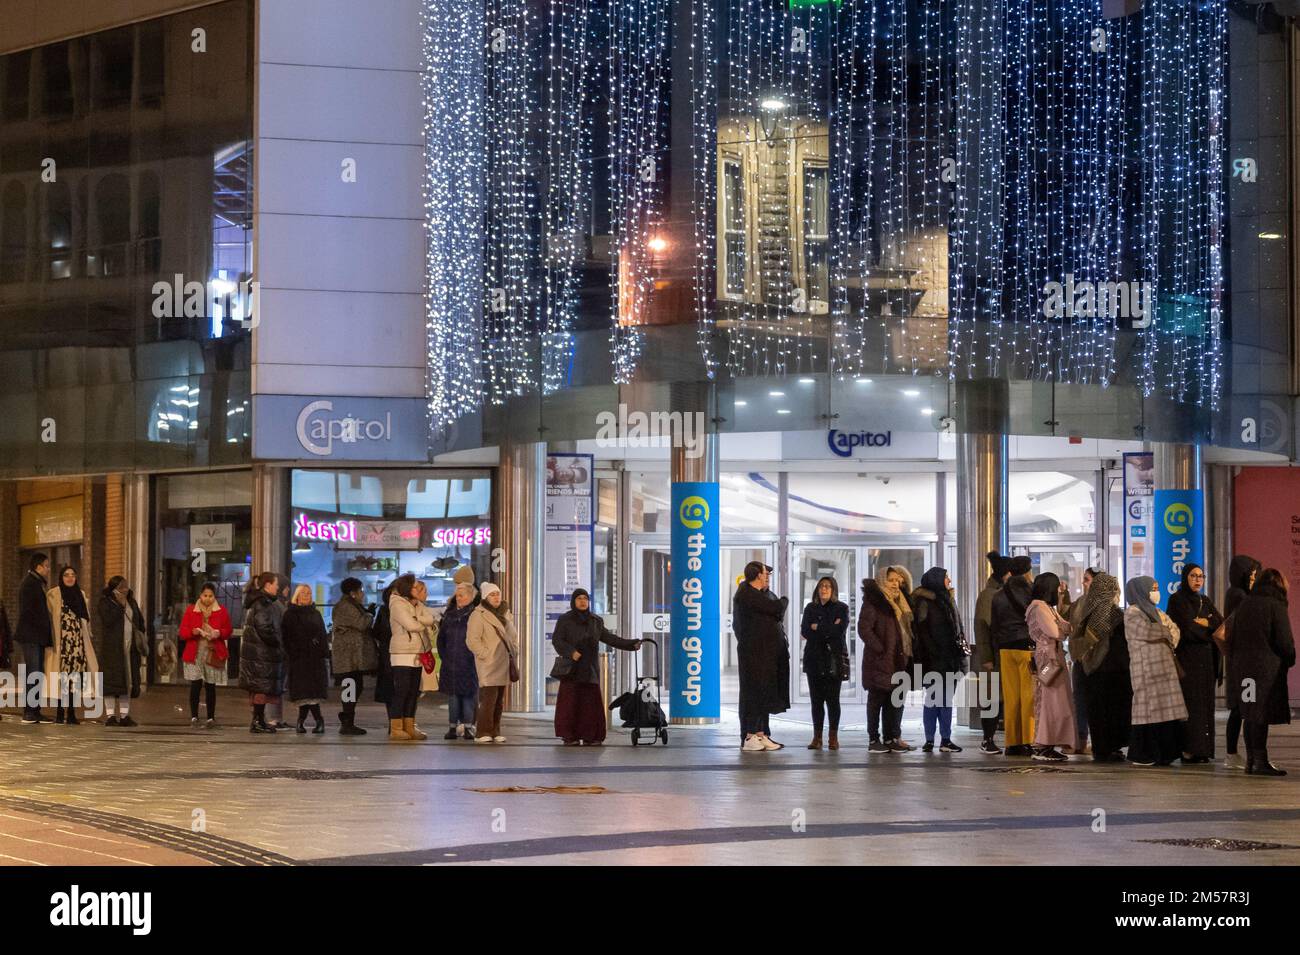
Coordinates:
(410, 620)
(71, 663)
(491, 637)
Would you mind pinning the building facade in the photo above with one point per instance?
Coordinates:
(353, 290)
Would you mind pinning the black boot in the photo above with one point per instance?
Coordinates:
(1260, 766)
(349, 725)
(259, 726)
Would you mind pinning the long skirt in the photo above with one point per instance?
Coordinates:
(580, 712)
(1054, 720)
(1159, 743)
(1198, 693)
(1109, 698)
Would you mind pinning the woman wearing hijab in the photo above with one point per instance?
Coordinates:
(205, 628)
(492, 638)
(1073, 612)
(306, 649)
(73, 658)
(825, 657)
(897, 587)
(579, 707)
(1197, 619)
(940, 651)
(1054, 718)
(1100, 653)
(1263, 650)
(120, 645)
(1242, 572)
(1156, 738)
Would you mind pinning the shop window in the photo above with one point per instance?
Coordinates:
(816, 235)
(13, 233)
(114, 59)
(733, 257)
(113, 216)
(17, 86)
(375, 524)
(149, 92)
(57, 100)
(750, 503)
(58, 229)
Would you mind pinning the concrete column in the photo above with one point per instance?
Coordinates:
(136, 525)
(521, 530)
(1178, 466)
(271, 519)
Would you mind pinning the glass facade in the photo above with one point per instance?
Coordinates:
(125, 232)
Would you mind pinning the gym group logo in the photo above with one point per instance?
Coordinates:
(318, 430)
(77, 908)
(1112, 300)
(1178, 519)
(694, 512)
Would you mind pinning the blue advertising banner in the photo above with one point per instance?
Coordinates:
(694, 610)
(1179, 537)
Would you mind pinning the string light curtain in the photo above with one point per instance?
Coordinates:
(1089, 195)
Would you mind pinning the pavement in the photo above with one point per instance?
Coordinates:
(165, 794)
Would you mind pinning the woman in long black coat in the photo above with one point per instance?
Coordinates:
(937, 646)
(306, 650)
(119, 644)
(261, 648)
(1262, 651)
(1242, 572)
(762, 656)
(579, 707)
(1197, 619)
(1107, 685)
(825, 657)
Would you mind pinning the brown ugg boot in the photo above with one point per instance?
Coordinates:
(397, 730)
(412, 731)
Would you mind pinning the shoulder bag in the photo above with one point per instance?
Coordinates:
(514, 667)
(1048, 672)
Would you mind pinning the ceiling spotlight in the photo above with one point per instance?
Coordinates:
(805, 381)
(776, 394)
(741, 404)
(927, 411)
(864, 381)
(911, 392)
(1270, 235)
(657, 244)
(782, 410)
(773, 104)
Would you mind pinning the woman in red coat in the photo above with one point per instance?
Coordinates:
(204, 628)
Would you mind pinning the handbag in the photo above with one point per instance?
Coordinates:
(514, 667)
(562, 668)
(1223, 636)
(1048, 672)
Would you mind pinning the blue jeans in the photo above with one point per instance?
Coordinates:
(942, 715)
(461, 709)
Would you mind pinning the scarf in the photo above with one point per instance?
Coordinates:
(74, 599)
(1138, 592)
(1100, 613)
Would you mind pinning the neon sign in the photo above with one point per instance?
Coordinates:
(451, 536)
(308, 529)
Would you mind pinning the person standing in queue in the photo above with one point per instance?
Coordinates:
(34, 633)
(1263, 650)
(1197, 619)
(940, 645)
(1156, 738)
(763, 656)
(579, 707)
(410, 621)
(261, 648)
(1073, 612)
(491, 637)
(205, 628)
(1101, 652)
(459, 675)
(306, 650)
(74, 659)
(882, 663)
(825, 657)
(120, 645)
(1016, 655)
(1054, 720)
(352, 650)
(1242, 572)
(986, 653)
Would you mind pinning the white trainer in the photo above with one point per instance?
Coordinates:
(768, 742)
(482, 739)
(753, 744)
(498, 739)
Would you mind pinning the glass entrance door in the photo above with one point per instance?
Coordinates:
(849, 564)
(652, 565)
(1068, 561)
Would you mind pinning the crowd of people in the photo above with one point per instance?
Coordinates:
(1060, 676)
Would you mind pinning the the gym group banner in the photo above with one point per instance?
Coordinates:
(695, 624)
(1139, 486)
(1179, 537)
(569, 541)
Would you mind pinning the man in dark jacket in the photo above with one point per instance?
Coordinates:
(33, 632)
(763, 654)
(1016, 655)
(986, 654)
(1241, 577)
(1262, 650)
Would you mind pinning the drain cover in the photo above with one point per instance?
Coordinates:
(1022, 770)
(1222, 845)
(308, 775)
